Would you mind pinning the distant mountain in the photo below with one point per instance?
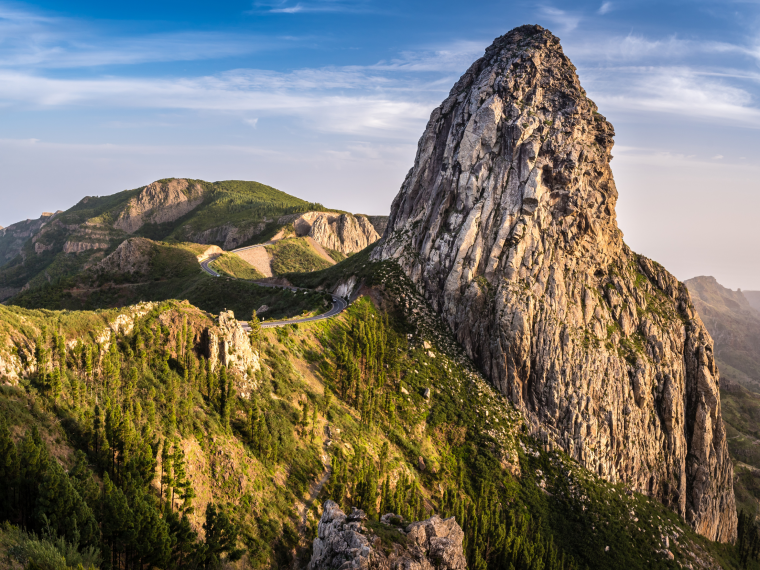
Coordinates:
(754, 298)
(734, 324)
(230, 214)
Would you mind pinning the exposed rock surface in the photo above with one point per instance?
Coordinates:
(230, 346)
(158, 203)
(13, 238)
(507, 224)
(80, 246)
(229, 235)
(344, 542)
(380, 223)
(345, 233)
(132, 256)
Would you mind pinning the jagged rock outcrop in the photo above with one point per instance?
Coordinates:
(158, 203)
(344, 542)
(132, 256)
(80, 246)
(13, 237)
(229, 235)
(345, 233)
(507, 224)
(229, 345)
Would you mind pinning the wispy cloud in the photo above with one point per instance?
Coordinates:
(310, 96)
(30, 39)
(288, 7)
(676, 91)
(566, 20)
(605, 8)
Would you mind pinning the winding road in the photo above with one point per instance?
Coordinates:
(338, 306)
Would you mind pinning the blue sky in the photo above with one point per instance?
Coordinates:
(325, 99)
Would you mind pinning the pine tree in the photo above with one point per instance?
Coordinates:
(224, 400)
(167, 475)
(8, 471)
(221, 538)
(255, 334)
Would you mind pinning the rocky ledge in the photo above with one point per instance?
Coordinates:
(352, 542)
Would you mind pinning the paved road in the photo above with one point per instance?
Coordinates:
(338, 306)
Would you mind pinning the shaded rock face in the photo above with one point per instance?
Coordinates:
(132, 256)
(13, 238)
(344, 542)
(380, 223)
(230, 236)
(158, 203)
(734, 325)
(507, 225)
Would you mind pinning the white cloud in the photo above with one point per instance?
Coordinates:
(33, 40)
(566, 20)
(251, 122)
(677, 91)
(318, 103)
(284, 7)
(605, 8)
(718, 157)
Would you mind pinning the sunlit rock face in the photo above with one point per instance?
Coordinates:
(507, 224)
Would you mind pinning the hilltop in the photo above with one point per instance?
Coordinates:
(58, 260)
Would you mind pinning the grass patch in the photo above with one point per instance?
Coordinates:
(234, 266)
(294, 255)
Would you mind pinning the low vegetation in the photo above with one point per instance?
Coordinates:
(380, 403)
(294, 255)
(233, 266)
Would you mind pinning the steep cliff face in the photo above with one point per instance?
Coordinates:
(227, 344)
(507, 224)
(158, 203)
(13, 238)
(132, 256)
(344, 542)
(345, 233)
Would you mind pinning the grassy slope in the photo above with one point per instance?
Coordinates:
(174, 273)
(294, 255)
(235, 202)
(234, 266)
(468, 436)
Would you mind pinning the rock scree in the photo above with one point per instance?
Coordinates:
(506, 223)
(345, 542)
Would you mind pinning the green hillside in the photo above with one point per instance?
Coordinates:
(165, 463)
(169, 271)
(78, 238)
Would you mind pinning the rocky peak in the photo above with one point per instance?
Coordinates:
(345, 233)
(132, 256)
(507, 225)
(348, 542)
(229, 345)
(160, 202)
